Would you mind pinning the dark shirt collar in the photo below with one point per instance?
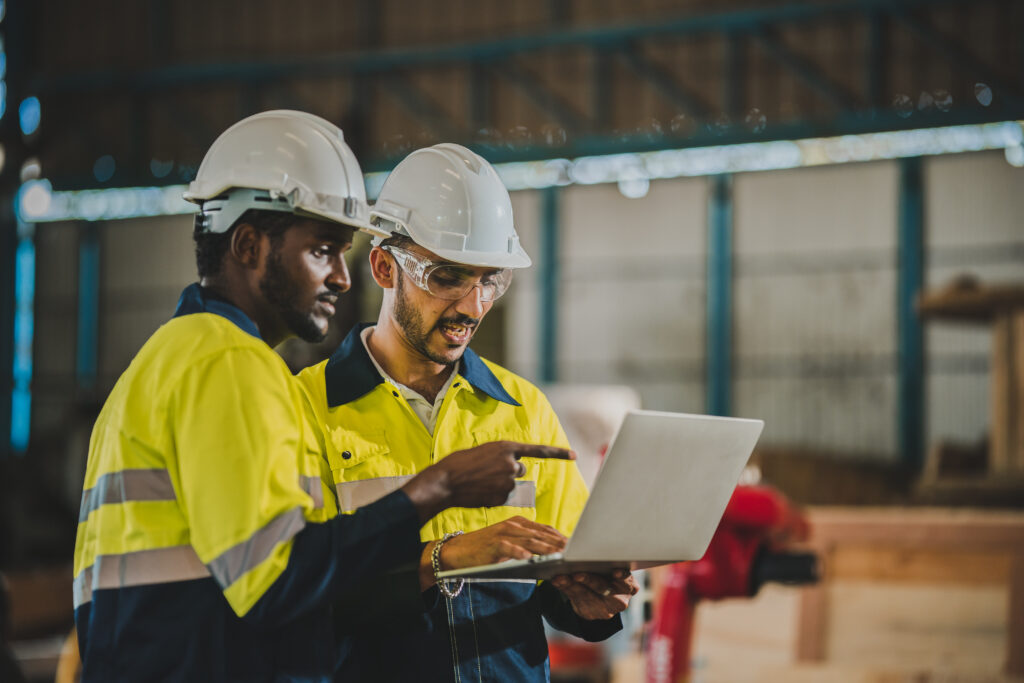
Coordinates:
(351, 374)
(198, 299)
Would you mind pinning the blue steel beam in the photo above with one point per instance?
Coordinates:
(960, 58)
(602, 102)
(875, 58)
(719, 297)
(421, 107)
(548, 273)
(545, 100)
(161, 79)
(805, 71)
(87, 337)
(24, 333)
(667, 85)
(479, 97)
(734, 84)
(910, 279)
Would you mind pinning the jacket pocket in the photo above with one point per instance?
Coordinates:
(361, 468)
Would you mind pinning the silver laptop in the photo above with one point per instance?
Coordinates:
(658, 498)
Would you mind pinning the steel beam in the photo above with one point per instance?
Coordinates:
(805, 71)
(667, 85)
(874, 64)
(543, 98)
(959, 57)
(910, 279)
(421, 107)
(719, 297)
(548, 273)
(602, 103)
(189, 75)
(17, 250)
(87, 337)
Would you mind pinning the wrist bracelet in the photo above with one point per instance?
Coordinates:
(435, 562)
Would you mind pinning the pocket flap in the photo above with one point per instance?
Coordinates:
(349, 448)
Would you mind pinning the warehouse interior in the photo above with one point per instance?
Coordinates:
(804, 212)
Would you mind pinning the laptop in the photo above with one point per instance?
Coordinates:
(658, 498)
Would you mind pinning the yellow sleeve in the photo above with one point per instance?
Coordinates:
(238, 430)
(561, 492)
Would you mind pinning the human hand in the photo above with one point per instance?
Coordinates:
(597, 596)
(482, 476)
(513, 538)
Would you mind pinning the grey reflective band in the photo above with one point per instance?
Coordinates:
(353, 495)
(125, 486)
(144, 567)
(236, 561)
(311, 485)
(524, 495)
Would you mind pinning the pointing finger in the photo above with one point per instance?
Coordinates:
(533, 451)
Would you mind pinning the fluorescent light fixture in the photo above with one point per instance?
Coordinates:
(631, 169)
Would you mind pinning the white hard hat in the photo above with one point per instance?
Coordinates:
(451, 201)
(280, 160)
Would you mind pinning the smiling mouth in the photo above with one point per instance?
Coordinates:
(454, 333)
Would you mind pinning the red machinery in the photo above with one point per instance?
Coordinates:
(748, 550)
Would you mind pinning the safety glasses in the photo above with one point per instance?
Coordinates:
(449, 281)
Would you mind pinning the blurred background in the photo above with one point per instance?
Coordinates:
(808, 213)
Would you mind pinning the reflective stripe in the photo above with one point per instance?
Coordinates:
(236, 561)
(524, 495)
(353, 495)
(311, 485)
(124, 486)
(144, 567)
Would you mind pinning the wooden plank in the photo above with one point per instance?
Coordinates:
(812, 624)
(967, 530)
(763, 628)
(895, 624)
(874, 563)
(970, 301)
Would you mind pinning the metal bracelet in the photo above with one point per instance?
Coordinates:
(435, 562)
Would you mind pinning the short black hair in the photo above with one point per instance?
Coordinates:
(211, 246)
(397, 240)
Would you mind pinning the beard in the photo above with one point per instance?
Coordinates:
(283, 294)
(416, 333)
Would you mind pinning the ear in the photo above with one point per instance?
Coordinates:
(383, 268)
(247, 245)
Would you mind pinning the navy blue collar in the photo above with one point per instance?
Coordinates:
(351, 374)
(197, 299)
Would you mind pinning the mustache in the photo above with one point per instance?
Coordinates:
(461, 319)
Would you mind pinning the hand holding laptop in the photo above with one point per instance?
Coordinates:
(597, 596)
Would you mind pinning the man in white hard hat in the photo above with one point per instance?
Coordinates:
(398, 395)
(208, 549)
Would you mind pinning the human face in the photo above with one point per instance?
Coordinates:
(438, 329)
(304, 274)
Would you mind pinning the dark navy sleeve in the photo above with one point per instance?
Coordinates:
(558, 612)
(384, 601)
(329, 558)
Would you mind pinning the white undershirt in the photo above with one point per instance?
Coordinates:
(424, 409)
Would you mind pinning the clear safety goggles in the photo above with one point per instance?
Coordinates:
(449, 281)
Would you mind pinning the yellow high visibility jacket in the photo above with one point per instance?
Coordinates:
(375, 442)
(202, 480)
